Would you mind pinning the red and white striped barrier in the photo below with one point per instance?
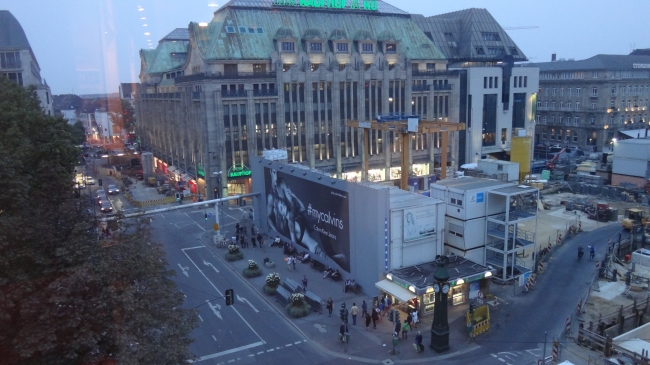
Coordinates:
(555, 350)
(567, 325)
(559, 239)
(579, 226)
(597, 264)
(579, 308)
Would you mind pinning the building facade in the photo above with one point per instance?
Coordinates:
(18, 62)
(268, 74)
(585, 103)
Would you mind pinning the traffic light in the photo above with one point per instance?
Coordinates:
(396, 316)
(390, 315)
(230, 297)
(342, 314)
(99, 182)
(205, 215)
(345, 315)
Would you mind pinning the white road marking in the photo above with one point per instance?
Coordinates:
(214, 338)
(261, 352)
(251, 355)
(278, 348)
(269, 350)
(184, 270)
(200, 226)
(215, 269)
(200, 318)
(244, 300)
(241, 348)
(289, 344)
(214, 308)
(297, 342)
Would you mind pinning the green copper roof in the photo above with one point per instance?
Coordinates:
(167, 56)
(248, 33)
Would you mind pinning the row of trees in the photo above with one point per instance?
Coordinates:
(65, 296)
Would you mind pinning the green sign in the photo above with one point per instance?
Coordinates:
(239, 171)
(330, 4)
(199, 171)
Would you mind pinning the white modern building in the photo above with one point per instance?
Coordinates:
(70, 115)
(631, 162)
(18, 62)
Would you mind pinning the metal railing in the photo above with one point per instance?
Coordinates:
(222, 76)
(442, 87)
(234, 93)
(265, 92)
(421, 87)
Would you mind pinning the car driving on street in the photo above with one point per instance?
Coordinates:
(112, 189)
(106, 206)
(90, 180)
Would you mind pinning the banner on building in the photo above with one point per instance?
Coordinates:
(419, 222)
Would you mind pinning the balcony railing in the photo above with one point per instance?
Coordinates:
(11, 64)
(234, 93)
(442, 87)
(421, 87)
(161, 96)
(265, 92)
(433, 73)
(222, 76)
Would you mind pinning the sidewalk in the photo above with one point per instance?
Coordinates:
(372, 345)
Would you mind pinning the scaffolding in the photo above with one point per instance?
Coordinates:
(506, 240)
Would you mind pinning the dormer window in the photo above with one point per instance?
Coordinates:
(288, 47)
(341, 48)
(391, 48)
(316, 47)
(367, 47)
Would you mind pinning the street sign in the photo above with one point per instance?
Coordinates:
(209, 215)
(215, 226)
(230, 296)
(364, 124)
(523, 278)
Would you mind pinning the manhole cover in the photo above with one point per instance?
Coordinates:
(388, 362)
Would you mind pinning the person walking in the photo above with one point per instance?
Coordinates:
(289, 266)
(364, 309)
(293, 261)
(405, 330)
(253, 242)
(368, 320)
(343, 330)
(242, 242)
(418, 342)
(259, 237)
(389, 303)
(304, 279)
(330, 305)
(415, 319)
(375, 317)
(354, 311)
(381, 307)
(398, 327)
(409, 321)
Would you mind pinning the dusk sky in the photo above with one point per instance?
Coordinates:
(90, 46)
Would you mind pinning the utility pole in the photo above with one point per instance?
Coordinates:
(544, 353)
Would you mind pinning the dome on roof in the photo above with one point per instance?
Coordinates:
(311, 34)
(338, 34)
(362, 35)
(283, 33)
(386, 36)
(12, 34)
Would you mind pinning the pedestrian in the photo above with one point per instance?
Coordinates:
(405, 330)
(375, 317)
(368, 320)
(381, 307)
(259, 237)
(398, 327)
(354, 311)
(409, 320)
(364, 309)
(343, 330)
(389, 303)
(304, 279)
(237, 228)
(288, 259)
(418, 342)
(416, 304)
(261, 244)
(242, 242)
(253, 242)
(330, 305)
(379, 316)
(293, 261)
(415, 319)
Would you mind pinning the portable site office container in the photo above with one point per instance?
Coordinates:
(491, 167)
(416, 225)
(466, 197)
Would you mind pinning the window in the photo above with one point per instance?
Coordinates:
(490, 82)
(561, 91)
(553, 106)
(341, 48)
(288, 46)
(243, 29)
(251, 30)
(568, 106)
(485, 82)
(611, 103)
(525, 81)
(259, 30)
(552, 120)
(513, 51)
(10, 60)
(546, 104)
(491, 36)
(539, 104)
(544, 135)
(623, 90)
(554, 91)
(561, 105)
(315, 47)
(594, 92)
(16, 77)
(594, 74)
(546, 91)
(544, 119)
(593, 105)
(569, 92)
(449, 37)
(592, 121)
(479, 51)
(575, 137)
(577, 105)
(366, 47)
(614, 91)
(496, 51)
(391, 47)
(576, 121)
(537, 118)
(578, 91)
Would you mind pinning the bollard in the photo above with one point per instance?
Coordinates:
(579, 308)
(555, 350)
(567, 325)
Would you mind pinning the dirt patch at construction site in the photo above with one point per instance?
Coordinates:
(597, 306)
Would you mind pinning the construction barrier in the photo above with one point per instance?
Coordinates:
(579, 308)
(559, 240)
(555, 350)
(495, 303)
(579, 226)
(597, 264)
(567, 325)
(479, 321)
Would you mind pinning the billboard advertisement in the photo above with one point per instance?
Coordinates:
(309, 214)
(419, 222)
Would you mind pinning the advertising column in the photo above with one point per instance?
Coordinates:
(309, 214)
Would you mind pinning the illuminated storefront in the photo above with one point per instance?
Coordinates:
(239, 179)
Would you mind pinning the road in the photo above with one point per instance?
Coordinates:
(250, 330)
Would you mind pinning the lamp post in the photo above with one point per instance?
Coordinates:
(440, 325)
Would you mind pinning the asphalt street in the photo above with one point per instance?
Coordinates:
(251, 330)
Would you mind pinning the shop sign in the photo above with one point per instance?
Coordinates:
(330, 4)
(239, 171)
(199, 171)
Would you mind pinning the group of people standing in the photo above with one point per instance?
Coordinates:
(241, 237)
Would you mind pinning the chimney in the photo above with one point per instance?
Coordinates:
(553, 57)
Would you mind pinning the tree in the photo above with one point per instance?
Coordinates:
(65, 296)
(78, 133)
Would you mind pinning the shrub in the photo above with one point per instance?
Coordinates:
(297, 299)
(270, 290)
(230, 256)
(252, 273)
(252, 264)
(273, 280)
(297, 311)
(233, 248)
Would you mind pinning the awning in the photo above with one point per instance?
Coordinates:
(395, 290)
(172, 168)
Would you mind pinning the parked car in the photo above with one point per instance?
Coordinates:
(112, 189)
(90, 180)
(106, 207)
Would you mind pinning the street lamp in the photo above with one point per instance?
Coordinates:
(440, 325)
